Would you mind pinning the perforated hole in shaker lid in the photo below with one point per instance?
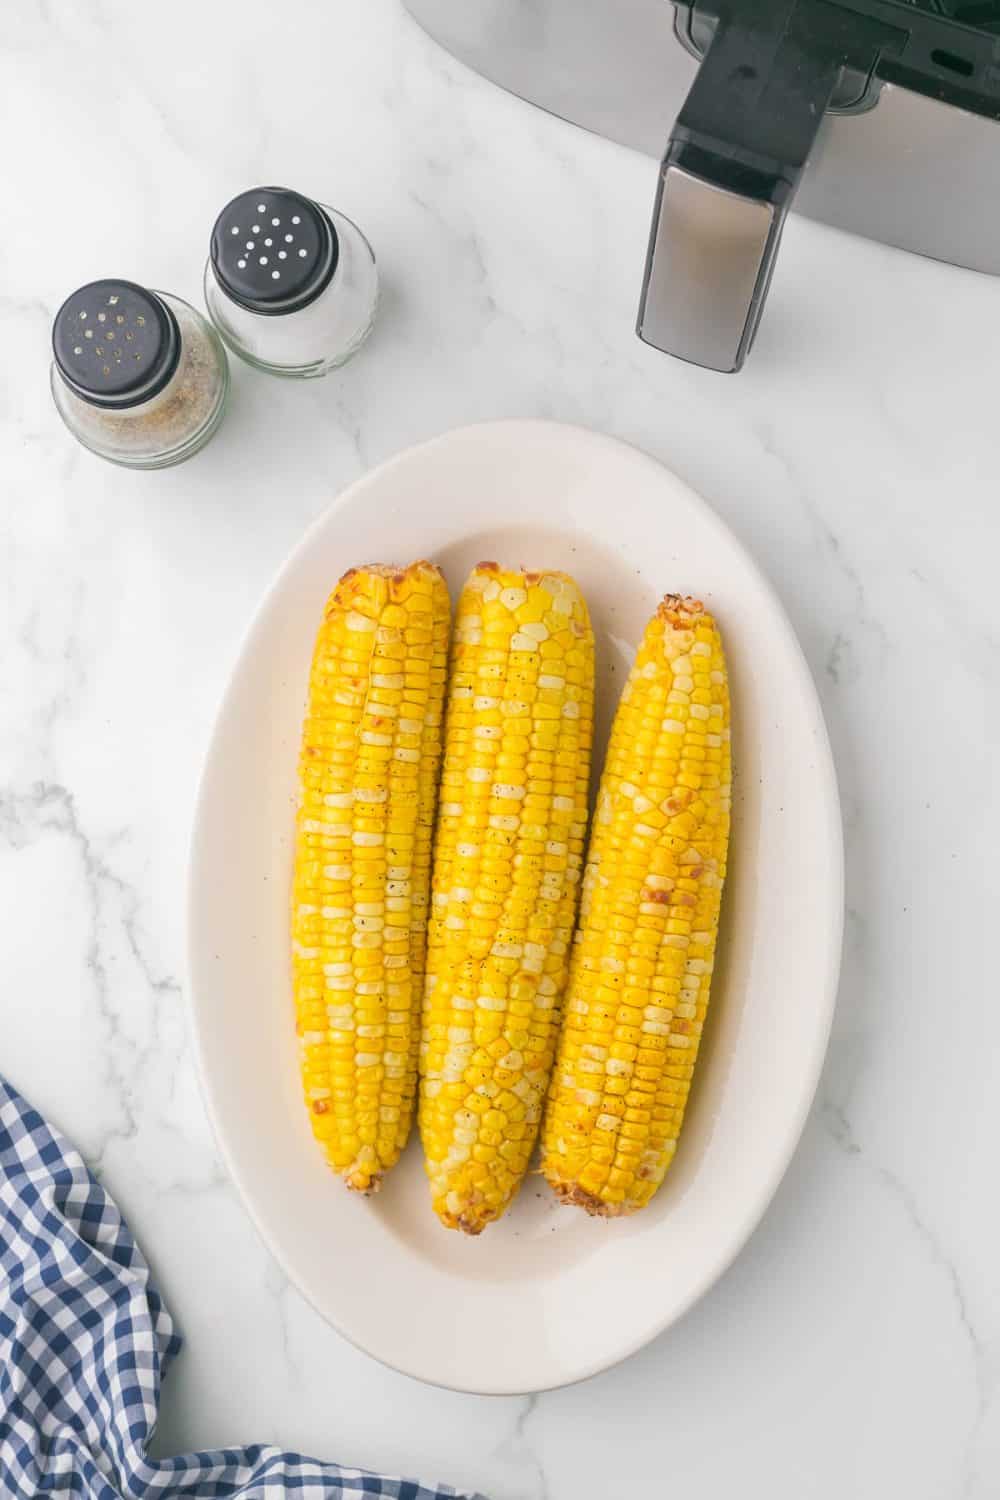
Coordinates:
(115, 344)
(251, 280)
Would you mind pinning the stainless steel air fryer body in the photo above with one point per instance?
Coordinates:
(893, 134)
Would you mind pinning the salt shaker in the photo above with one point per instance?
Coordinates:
(290, 284)
(139, 377)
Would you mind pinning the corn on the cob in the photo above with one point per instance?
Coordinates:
(644, 951)
(508, 859)
(368, 772)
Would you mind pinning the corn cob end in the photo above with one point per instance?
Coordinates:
(365, 1173)
(473, 1217)
(572, 1195)
(681, 611)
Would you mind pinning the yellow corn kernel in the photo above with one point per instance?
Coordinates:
(362, 866)
(649, 916)
(508, 859)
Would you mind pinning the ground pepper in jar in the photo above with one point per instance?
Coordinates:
(139, 377)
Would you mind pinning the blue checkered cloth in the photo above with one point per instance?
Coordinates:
(85, 1342)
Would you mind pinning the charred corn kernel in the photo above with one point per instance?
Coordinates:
(362, 864)
(514, 785)
(644, 949)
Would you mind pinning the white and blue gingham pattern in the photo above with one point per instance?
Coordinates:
(85, 1342)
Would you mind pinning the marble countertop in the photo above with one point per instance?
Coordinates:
(854, 1349)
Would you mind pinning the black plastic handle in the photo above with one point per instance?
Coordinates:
(733, 164)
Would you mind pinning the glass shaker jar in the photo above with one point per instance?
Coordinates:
(290, 284)
(139, 377)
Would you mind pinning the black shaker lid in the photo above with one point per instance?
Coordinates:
(115, 344)
(273, 251)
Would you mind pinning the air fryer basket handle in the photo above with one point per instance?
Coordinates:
(710, 258)
(733, 163)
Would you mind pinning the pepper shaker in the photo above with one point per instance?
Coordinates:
(290, 284)
(139, 377)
